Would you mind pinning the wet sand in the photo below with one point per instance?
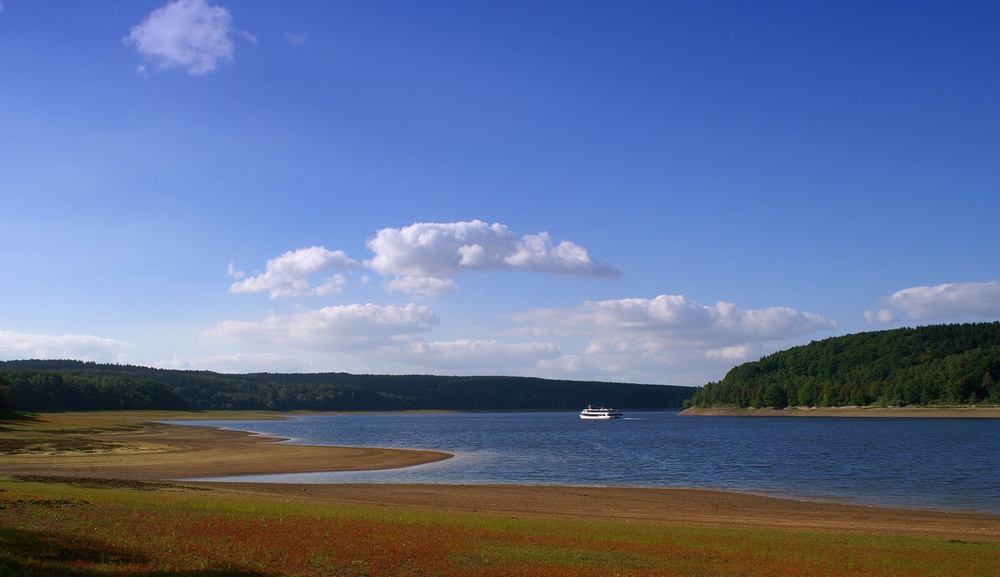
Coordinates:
(160, 452)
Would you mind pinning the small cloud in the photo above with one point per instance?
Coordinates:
(296, 37)
(231, 272)
(730, 354)
(881, 317)
(188, 34)
(948, 301)
(288, 275)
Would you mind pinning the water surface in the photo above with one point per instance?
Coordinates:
(922, 463)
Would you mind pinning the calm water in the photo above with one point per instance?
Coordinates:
(937, 463)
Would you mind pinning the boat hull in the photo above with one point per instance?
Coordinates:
(601, 414)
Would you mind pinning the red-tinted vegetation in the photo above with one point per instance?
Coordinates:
(51, 529)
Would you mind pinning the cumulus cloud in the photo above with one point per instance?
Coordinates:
(668, 338)
(441, 250)
(79, 347)
(422, 258)
(680, 317)
(946, 301)
(289, 274)
(353, 327)
(188, 34)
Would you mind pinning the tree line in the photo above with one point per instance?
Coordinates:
(956, 364)
(63, 385)
(45, 390)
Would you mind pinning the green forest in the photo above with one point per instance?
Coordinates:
(957, 364)
(40, 386)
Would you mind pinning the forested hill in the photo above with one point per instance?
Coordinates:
(73, 385)
(931, 365)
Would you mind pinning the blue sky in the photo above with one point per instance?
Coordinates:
(629, 191)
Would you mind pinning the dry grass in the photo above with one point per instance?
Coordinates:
(89, 529)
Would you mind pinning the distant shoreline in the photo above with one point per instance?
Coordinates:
(895, 412)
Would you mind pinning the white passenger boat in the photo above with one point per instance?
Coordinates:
(592, 412)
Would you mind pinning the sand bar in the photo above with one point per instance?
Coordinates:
(155, 451)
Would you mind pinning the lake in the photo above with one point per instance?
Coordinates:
(940, 463)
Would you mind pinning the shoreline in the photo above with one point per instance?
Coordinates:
(970, 412)
(132, 449)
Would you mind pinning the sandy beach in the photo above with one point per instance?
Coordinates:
(158, 452)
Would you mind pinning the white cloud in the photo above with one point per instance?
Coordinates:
(670, 338)
(676, 316)
(478, 355)
(288, 275)
(20, 346)
(353, 327)
(233, 273)
(188, 34)
(296, 37)
(421, 258)
(421, 285)
(881, 317)
(238, 363)
(730, 354)
(946, 301)
(441, 250)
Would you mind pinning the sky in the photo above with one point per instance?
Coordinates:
(643, 191)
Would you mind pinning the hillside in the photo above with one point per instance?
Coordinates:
(74, 385)
(931, 365)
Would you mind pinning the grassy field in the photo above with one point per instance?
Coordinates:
(53, 526)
